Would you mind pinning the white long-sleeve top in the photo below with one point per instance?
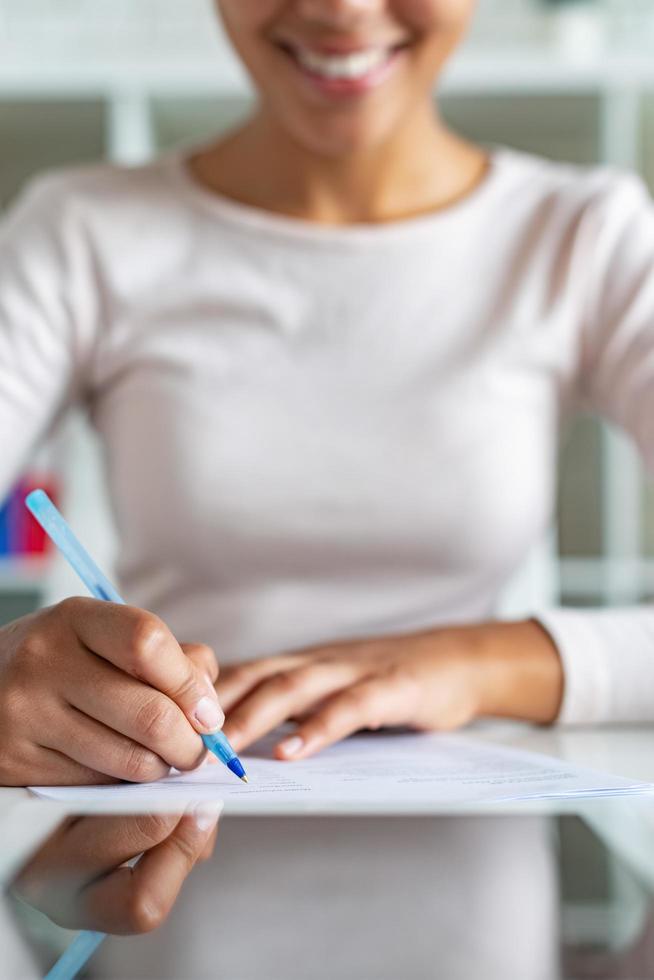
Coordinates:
(315, 433)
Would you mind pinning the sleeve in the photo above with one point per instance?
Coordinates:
(46, 318)
(608, 654)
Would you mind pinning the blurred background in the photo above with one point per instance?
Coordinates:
(85, 80)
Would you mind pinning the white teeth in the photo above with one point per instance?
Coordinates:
(349, 66)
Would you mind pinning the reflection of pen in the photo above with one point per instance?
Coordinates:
(58, 530)
(76, 956)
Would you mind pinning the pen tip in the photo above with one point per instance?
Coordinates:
(245, 779)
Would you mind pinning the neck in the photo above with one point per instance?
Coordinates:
(424, 167)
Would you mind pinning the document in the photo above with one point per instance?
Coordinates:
(389, 772)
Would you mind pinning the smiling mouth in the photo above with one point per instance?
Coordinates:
(353, 66)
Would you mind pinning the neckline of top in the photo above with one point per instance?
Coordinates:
(175, 166)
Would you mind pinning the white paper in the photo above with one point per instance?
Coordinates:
(391, 772)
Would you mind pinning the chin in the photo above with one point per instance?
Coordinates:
(340, 138)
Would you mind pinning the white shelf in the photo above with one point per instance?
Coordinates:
(580, 577)
(590, 578)
(541, 70)
(18, 574)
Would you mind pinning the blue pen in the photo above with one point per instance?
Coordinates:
(99, 586)
(86, 943)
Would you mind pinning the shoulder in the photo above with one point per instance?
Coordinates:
(81, 192)
(569, 192)
(95, 218)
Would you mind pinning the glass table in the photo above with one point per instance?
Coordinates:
(521, 891)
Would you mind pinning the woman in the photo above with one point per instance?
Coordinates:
(328, 356)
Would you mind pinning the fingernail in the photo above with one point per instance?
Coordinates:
(206, 815)
(292, 745)
(208, 714)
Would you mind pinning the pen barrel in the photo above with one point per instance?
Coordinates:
(58, 530)
(218, 744)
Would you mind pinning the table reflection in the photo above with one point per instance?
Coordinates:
(116, 874)
(453, 898)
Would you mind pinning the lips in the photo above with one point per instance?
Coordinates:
(348, 66)
(343, 73)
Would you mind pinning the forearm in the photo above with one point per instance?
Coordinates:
(515, 669)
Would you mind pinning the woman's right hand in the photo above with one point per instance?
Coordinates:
(79, 877)
(93, 692)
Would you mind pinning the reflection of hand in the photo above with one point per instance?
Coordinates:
(80, 879)
(436, 680)
(92, 692)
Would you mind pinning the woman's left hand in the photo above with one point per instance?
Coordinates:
(438, 680)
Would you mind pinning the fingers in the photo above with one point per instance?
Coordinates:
(83, 849)
(204, 660)
(210, 846)
(96, 747)
(48, 767)
(138, 900)
(138, 711)
(140, 644)
(93, 846)
(235, 682)
(78, 877)
(284, 695)
(368, 704)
